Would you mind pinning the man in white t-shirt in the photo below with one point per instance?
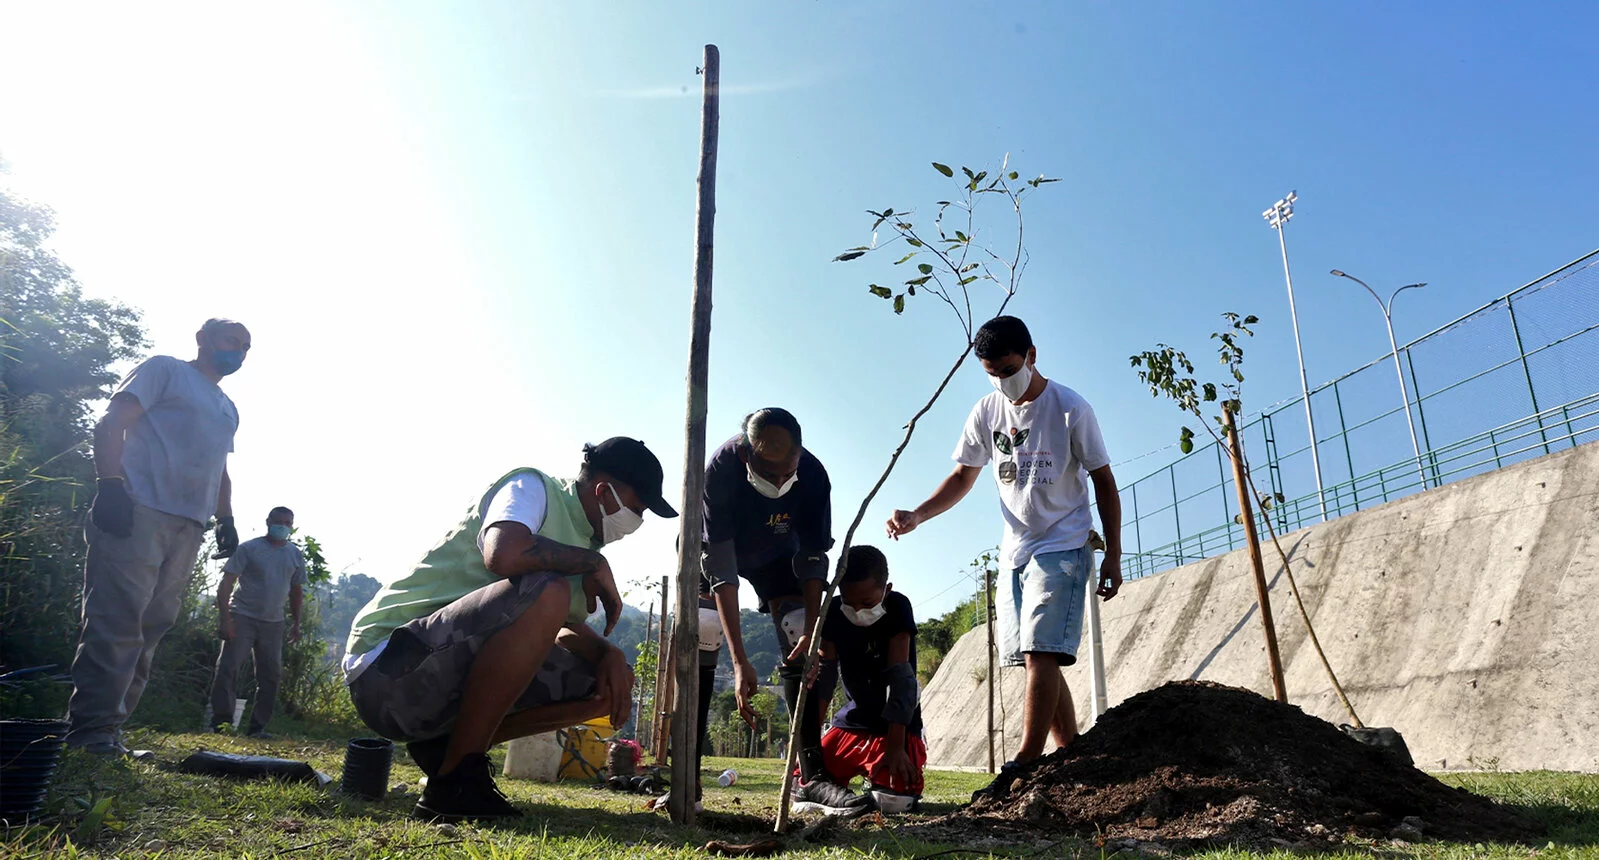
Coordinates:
(1046, 448)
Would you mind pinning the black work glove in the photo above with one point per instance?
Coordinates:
(112, 510)
(227, 537)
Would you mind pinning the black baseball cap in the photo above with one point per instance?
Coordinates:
(628, 461)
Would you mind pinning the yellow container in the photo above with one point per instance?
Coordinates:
(583, 750)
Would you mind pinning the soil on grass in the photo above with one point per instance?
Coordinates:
(1200, 763)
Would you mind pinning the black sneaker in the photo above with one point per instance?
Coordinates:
(827, 797)
(1000, 787)
(467, 793)
(429, 754)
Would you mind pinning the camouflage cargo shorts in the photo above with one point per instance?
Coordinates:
(413, 691)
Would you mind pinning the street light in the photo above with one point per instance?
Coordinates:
(1404, 393)
(1277, 216)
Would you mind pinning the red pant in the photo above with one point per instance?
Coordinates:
(847, 754)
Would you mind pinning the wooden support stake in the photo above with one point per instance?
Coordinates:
(638, 705)
(686, 633)
(1246, 509)
(657, 739)
(988, 593)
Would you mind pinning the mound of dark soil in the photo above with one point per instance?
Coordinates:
(1195, 762)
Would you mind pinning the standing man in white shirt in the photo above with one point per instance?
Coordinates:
(266, 570)
(1046, 448)
(160, 460)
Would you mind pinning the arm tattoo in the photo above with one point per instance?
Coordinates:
(546, 554)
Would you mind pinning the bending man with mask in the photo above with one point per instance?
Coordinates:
(769, 520)
(486, 640)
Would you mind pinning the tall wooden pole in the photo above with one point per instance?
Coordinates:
(686, 637)
(662, 669)
(663, 732)
(988, 594)
(1274, 660)
(638, 707)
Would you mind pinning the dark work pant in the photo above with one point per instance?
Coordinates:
(262, 641)
(793, 676)
(132, 593)
(707, 685)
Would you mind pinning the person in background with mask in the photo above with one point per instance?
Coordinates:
(161, 469)
(869, 642)
(1046, 447)
(487, 640)
(769, 520)
(250, 619)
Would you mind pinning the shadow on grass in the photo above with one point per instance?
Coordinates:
(1558, 823)
(1563, 808)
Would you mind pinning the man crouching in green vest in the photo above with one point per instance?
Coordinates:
(487, 640)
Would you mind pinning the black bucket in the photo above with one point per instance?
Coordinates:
(30, 750)
(366, 767)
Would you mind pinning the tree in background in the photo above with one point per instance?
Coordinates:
(58, 351)
(313, 682)
(338, 602)
(935, 637)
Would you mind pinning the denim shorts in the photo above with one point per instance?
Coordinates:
(1040, 606)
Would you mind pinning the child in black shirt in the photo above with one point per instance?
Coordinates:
(869, 642)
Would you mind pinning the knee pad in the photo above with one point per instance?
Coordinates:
(792, 623)
(710, 629)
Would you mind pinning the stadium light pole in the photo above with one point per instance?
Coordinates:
(1393, 344)
(1277, 216)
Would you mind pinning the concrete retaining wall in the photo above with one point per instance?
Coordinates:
(1467, 617)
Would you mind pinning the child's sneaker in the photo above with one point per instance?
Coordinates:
(826, 797)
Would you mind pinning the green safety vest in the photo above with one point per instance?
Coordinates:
(454, 568)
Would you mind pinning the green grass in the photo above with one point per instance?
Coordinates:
(137, 810)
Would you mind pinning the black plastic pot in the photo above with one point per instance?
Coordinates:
(366, 767)
(30, 750)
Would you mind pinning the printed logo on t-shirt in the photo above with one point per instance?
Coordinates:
(778, 523)
(1032, 467)
(1008, 444)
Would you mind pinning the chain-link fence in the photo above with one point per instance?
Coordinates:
(1514, 379)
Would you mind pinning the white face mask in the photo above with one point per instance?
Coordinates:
(619, 525)
(767, 488)
(1015, 385)
(863, 617)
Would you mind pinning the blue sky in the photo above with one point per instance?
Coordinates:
(462, 233)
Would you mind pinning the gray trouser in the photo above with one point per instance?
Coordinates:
(132, 590)
(263, 639)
